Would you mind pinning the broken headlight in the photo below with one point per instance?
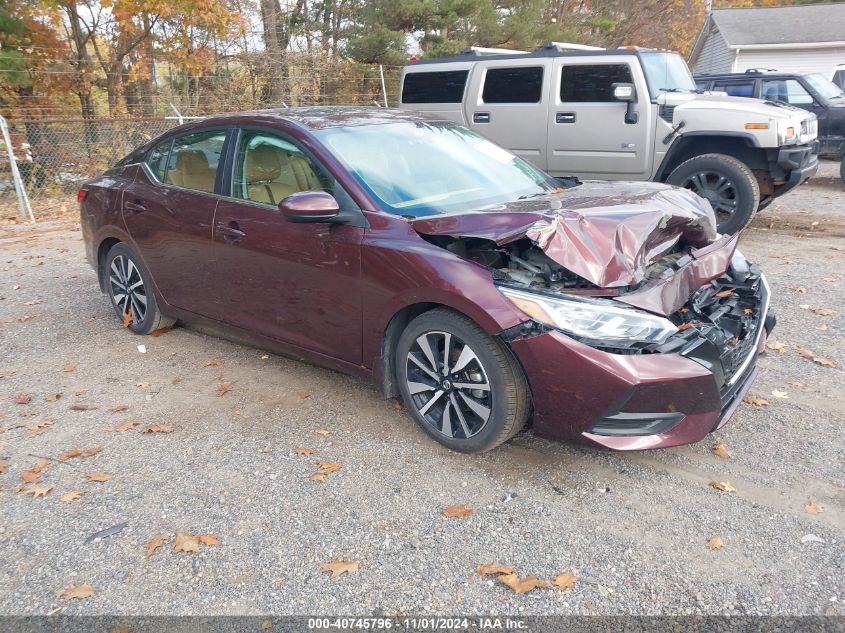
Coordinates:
(595, 322)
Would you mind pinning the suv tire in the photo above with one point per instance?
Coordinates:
(130, 290)
(726, 182)
(472, 420)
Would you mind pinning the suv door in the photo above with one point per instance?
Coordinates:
(507, 103)
(169, 211)
(587, 130)
(793, 92)
(295, 283)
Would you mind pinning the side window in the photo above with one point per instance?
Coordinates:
(839, 78)
(592, 83)
(268, 169)
(434, 87)
(157, 159)
(194, 159)
(735, 88)
(786, 91)
(513, 85)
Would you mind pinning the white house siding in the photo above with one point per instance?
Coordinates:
(793, 60)
(715, 56)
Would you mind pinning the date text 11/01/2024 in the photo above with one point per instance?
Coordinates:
(419, 624)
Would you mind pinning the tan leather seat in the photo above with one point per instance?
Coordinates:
(192, 171)
(272, 174)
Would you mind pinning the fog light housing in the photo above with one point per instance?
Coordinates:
(635, 424)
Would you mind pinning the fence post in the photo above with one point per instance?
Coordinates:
(178, 114)
(383, 88)
(24, 209)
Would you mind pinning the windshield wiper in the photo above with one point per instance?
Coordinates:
(534, 195)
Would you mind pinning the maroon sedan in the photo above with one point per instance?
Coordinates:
(416, 254)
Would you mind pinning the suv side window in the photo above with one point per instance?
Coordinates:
(513, 85)
(194, 159)
(434, 87)
(735, 88)
(268, 169)
(786, 91)
(592, 83)
(157, 159)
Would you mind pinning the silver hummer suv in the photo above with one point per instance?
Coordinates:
(622, 114)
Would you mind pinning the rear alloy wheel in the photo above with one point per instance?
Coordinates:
(128, 287)
(727, 183)
(463, 387)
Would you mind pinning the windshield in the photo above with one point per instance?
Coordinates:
(426, 168)
(666, 72)
(824, 87)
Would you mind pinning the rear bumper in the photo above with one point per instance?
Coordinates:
(799, 164)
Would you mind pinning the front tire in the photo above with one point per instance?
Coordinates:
(464, 388)
(727, 183)
(129, 287)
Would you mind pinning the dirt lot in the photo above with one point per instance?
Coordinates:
(632, 528)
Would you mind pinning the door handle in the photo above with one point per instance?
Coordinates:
(564, 117)
(230, 232)
(481, 117)
(135, 207)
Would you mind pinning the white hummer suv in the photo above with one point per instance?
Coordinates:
(622, 114)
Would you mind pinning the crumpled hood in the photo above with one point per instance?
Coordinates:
(607, 233)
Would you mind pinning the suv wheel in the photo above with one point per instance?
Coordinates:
(463, 387)
(131, 293)
(727, 183)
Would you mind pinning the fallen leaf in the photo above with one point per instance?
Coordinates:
(493, 568)
(266, 624)
(90, 452)
(82, 407)
(813, 507)
(566, 580)
(824, 362)
(329, 467)
(126, 426)
(720, 450)
(128, 318)
(69, 367)
(214, 362)
(71, 454)
(322, 431)
(798, 289)
(39, 428)
(715, 542)
(158, 428)
(338, 567)
(724, 293)
(757, 402)
(209, 539)
(186, 542)
(824, 311)
(96, 477)
(73, 495)
(22, 398)
(224, 387)
(4, 465)
(7, 373)
(512, 582)
(724, 486)
(118, 408)
(76, 592)
(34, 302)
(30, 476)
(305, 452)
(38, 491)
(52, 397)
(303, 393)
(318, 476)
(780, 394)
(120, 629)
(458, 512)
(159, 540)
(777, 346)
(161, 331)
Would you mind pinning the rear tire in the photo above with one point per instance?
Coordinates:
(727, 183)
(129, 287)
(471, 398)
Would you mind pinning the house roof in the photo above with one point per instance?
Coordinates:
(812, 23)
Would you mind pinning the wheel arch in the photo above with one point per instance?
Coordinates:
(742, 147)
(102, 250)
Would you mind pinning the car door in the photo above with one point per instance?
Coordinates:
(169, 213)
(296, 283)
(794, 93)
(506, 104)
(589, 134)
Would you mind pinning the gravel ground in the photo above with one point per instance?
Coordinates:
(632, 528)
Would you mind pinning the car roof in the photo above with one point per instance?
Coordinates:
(542, 52)
(757, 75)
(318, 117)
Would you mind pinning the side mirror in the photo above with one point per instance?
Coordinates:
(309, 206)
(626, 93)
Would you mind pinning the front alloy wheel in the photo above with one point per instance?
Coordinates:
(463, 387)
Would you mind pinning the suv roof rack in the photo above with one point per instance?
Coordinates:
(481, 51)
(760, 71)
(568, 46)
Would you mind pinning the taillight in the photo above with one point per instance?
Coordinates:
(81, 195)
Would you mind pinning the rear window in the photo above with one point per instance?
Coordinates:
(592, 83)
(513, 85)
(434, 87)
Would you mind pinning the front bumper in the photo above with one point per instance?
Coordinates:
(678, 394)
(798, 164)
